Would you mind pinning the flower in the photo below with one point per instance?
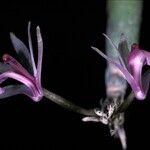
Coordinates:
(29, 77)
(130, 64)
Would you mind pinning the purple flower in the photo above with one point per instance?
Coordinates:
(29, 77)
(130, 64)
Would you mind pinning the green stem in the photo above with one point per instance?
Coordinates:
(67, 104)
(124, 16)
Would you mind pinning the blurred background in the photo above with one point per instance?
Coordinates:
(70, 69)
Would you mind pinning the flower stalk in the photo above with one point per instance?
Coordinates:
(67, 104)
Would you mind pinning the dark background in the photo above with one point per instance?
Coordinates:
(70, 69)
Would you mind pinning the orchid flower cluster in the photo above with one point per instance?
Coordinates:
(129, 64)
(30, 77)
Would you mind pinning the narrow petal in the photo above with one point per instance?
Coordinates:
(16, 66)
(21, 79)
(115, 48)
(12, 90)
(1, 90)
(4, 67)
(111, 42)
(31, 49)
(122, 136)
(147, 56)
(123, 49)
(146, 81)
(134, 85)
(93, 119)
(136, 64)
(22, 51)
(40, 53)
(136, 61)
